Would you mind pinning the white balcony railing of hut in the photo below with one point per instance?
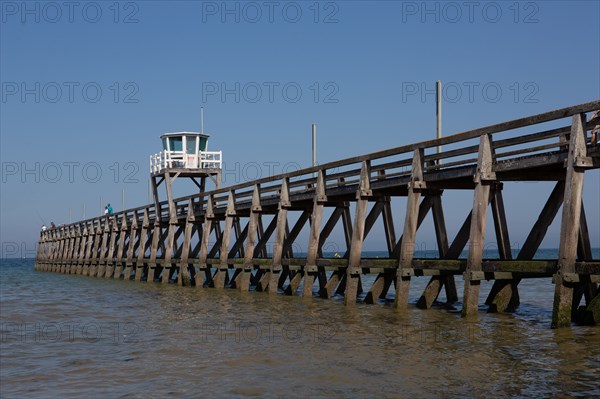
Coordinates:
(182, 160)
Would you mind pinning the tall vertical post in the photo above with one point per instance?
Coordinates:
(276, 266)
(110, 261)
(472, 275)
(88, 252)
(81, 249)
(208, 221)
(183, 277)
(251, 240)
(121, 247)
(358, 232)
(570, 224)
(131, 248)
(223, 269)
(310, 269)
(314, 145)
(139, 264)
(411, 222)
(438, 112)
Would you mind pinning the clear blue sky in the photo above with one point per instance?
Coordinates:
(156, 61)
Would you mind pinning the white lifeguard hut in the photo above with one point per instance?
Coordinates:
(184, 154)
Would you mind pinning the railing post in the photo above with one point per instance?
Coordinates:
(310, 269)
(88, 251)
(139, 265)
(411, 221)
(75, 251)
(131, 248)
(110, 261)
(570, 223)
(121, 247)
(207, 228)
(103, 248)
(282, 210)
(481, 198)
(173, 225)
(81, 249)
(93, 271)
(251, 240)
(358, 230)
(183, 277)
(221, 274)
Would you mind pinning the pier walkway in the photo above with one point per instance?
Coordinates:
(243, 236)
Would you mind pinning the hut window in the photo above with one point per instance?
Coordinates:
(190, 145)
(176, 144)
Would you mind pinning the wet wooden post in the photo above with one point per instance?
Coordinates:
(168, 255)
(50, 251)
(310, 269)
(67, 246)
(82, 247)
(75, 250)
(103, 247)
(208, 222)
(93, 270)
(504, 295)
(183, 277)
(120, 255)
(65, 255)
(473, 274)
(139, 264)
(129, 265)
(173, 226)
(570, 223)
(223, 268)
(61, 250)
(256, 209)
(156, 236)
(73, 238)
(358, 230)
(405, 270)
(110, 261)
(69, 260)
(88, 249)
(280, 233)
(56, 251)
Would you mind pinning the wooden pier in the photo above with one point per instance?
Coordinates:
(219, 238)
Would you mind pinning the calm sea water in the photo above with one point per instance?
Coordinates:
(74, 336)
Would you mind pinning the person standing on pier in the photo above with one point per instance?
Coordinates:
(110, 209)
(44, 227)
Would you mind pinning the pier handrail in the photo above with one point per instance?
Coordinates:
(309, 173)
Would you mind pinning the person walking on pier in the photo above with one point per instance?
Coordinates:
(110, 209)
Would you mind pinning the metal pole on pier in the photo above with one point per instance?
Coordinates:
(438, 113)
(314, 145)
(202, 120)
